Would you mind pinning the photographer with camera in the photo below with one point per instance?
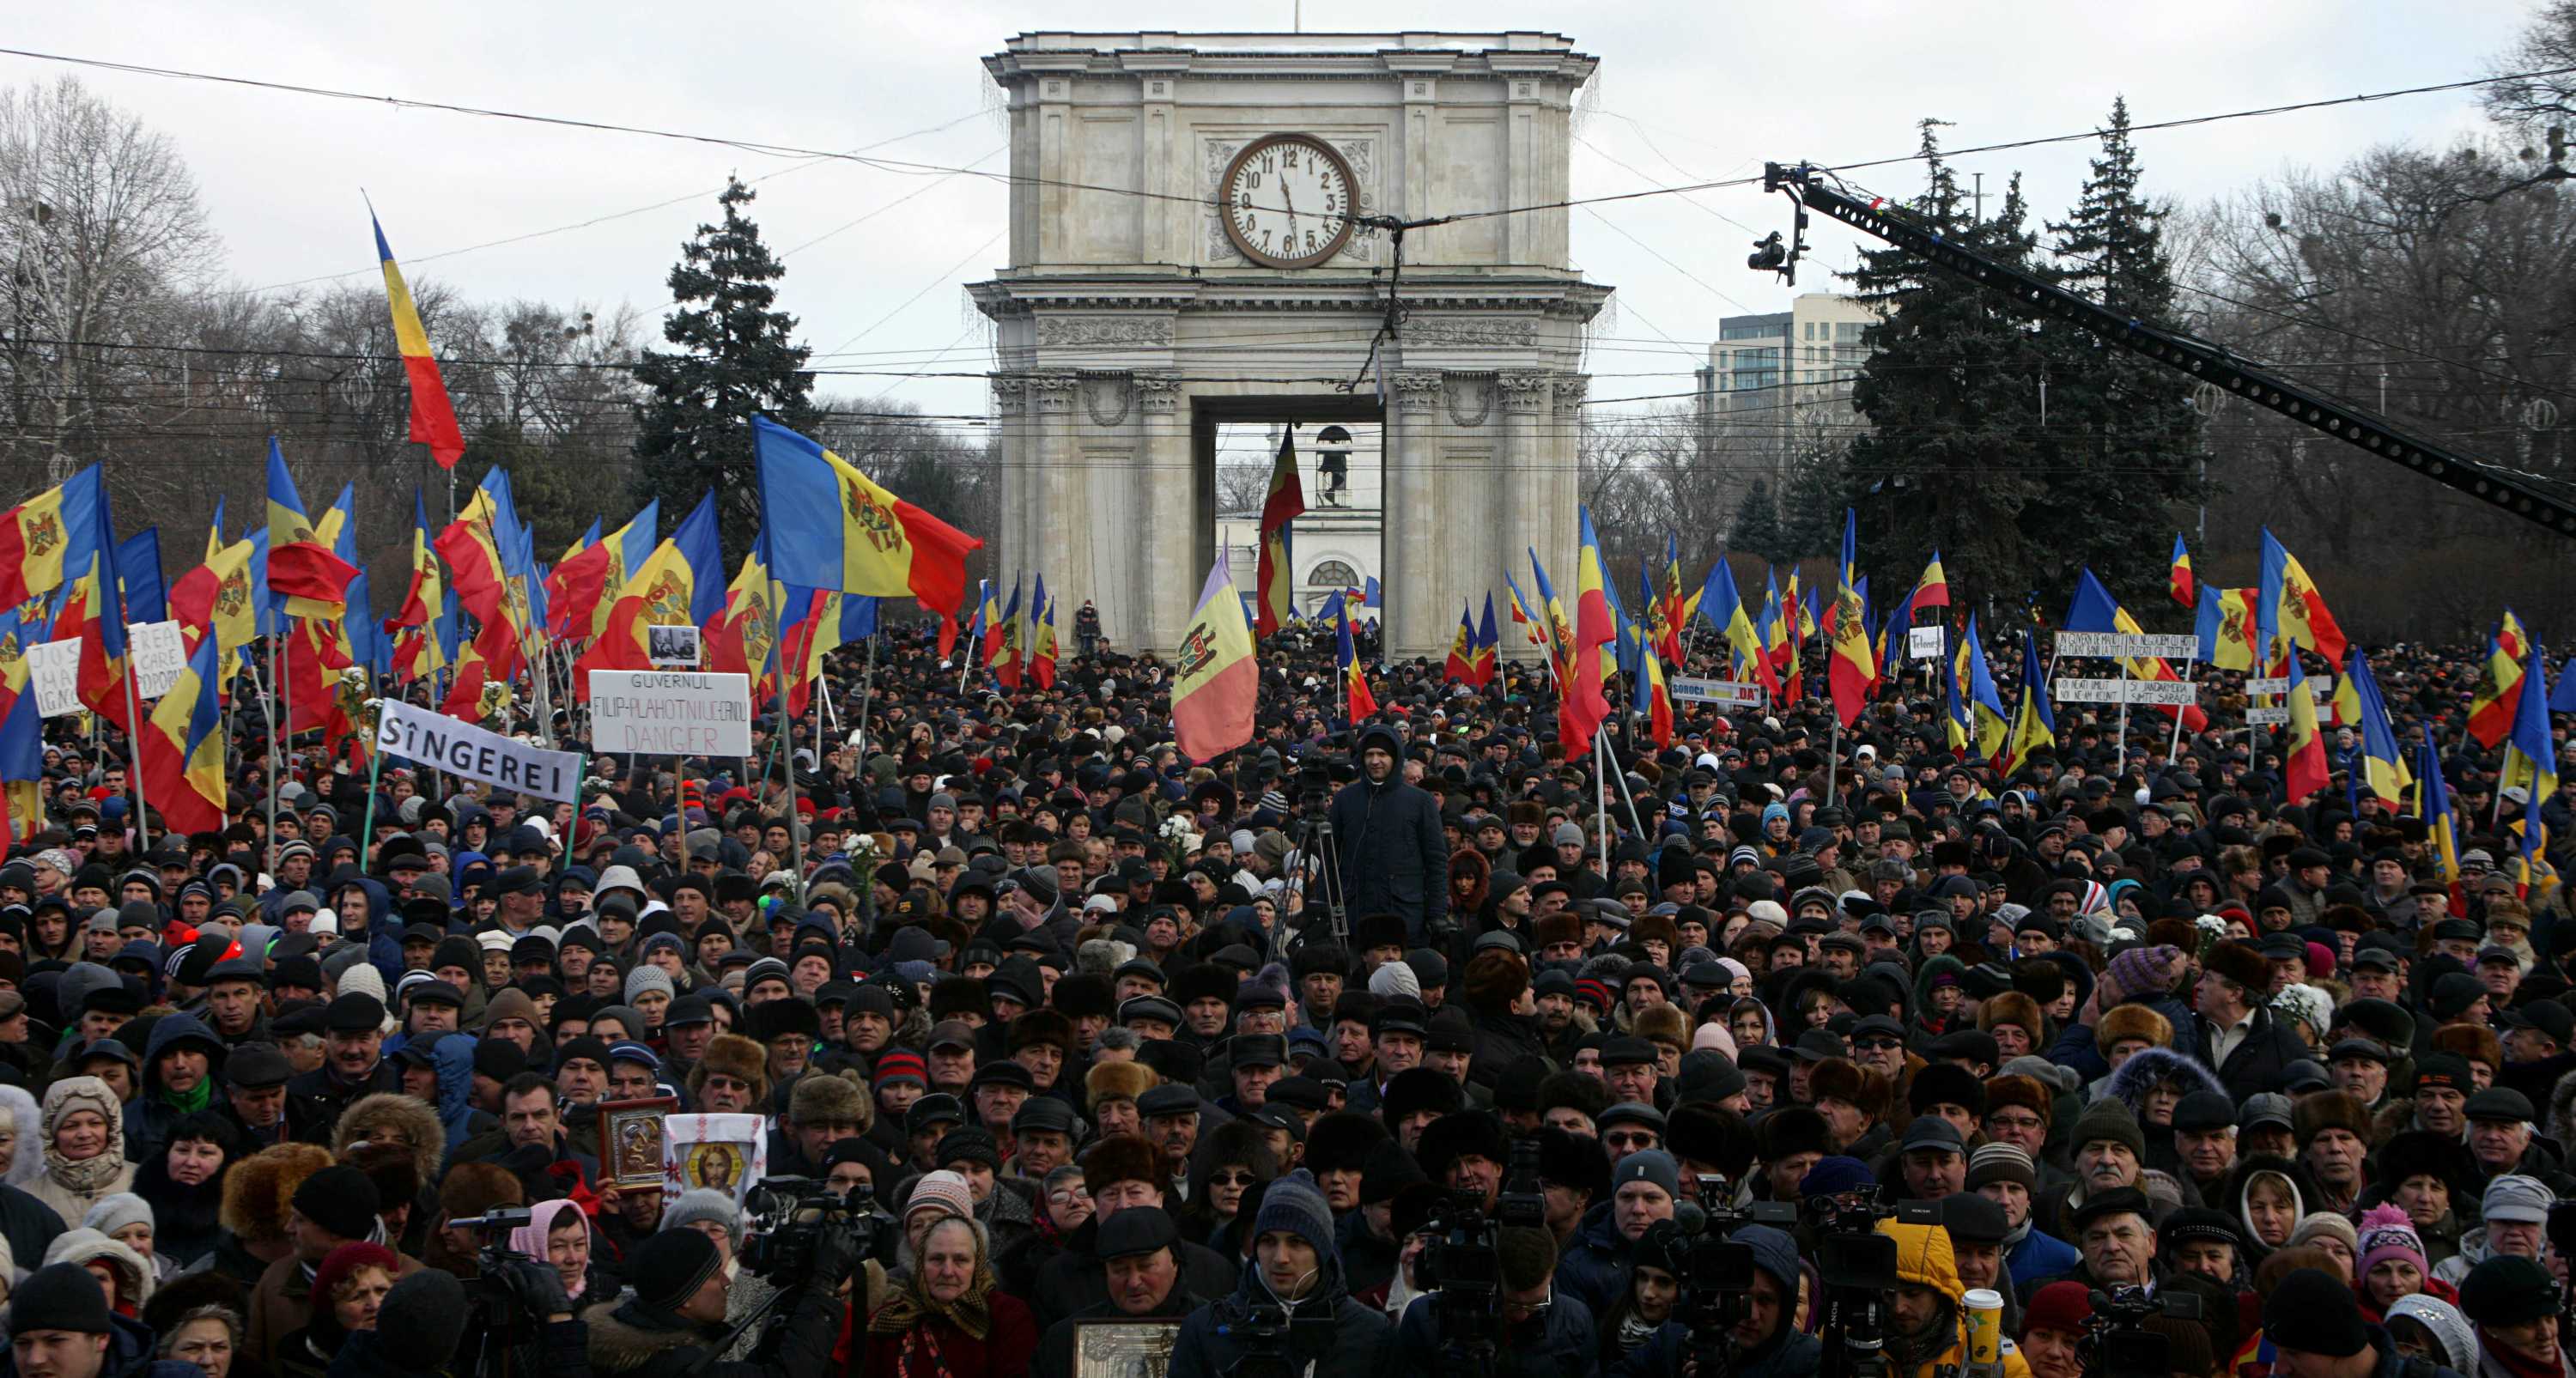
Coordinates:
(1928, 1334)
(1394, 854)
(1764, 1342)
(1291, 1309)
(1542, 1334)
(671, 1323)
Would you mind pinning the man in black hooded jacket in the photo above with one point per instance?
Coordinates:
(1394, 856)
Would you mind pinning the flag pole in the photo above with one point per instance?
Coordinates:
(134, 752)
(269, 707)
(1833, 757)
(867, 687)
(1601, 797)
(786, 724)
(2181, 711)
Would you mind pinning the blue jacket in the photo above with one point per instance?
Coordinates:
(1594, 1268)
(2040, 1257)
(149, 1118)
(1567, 1345)
(1359, 1344)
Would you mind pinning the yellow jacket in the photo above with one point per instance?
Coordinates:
(1923, 1257)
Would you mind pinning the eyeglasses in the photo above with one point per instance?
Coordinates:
(1065, 1196)
(2012, 1121)
(1629, 1140)
(1529, 1308)
(1231, 1179)
(1874, 1045)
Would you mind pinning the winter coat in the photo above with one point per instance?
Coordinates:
(1794, 1355)
(1594, 1266)
(1501, 1040)
(1394, 854)
(184, 1224)
(1003, 1352)
(1568, 1345)
(150, 1117)
(1360, 1341)
(315, 1099)
(72, 1188)
(2261, 1062)
(2076, 1048)
(628, 1338)
(1923, 1258)
(2142, 1073)
(1077, 1280)
(282, 1304)
(2039, 1257)
(130, 1346)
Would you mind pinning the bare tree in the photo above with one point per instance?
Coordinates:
(102, 230)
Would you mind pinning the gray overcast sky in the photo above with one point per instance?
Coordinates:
(1688, 91)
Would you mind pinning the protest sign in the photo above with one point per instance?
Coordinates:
(461, 748)
(54, 668)
(1923, 643)
(159, 655)
(670, 713)
(1727, 692)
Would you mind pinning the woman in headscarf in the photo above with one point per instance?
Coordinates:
(2269, 1197)
(84, 1148)
(558, 1234)
(949, 1316)
(20, 1133)
(348, 1290)
(127, 1276)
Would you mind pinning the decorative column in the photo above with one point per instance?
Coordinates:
(1167, 543)
(1524, 489)
(1017, 455)
(1558, 455)
(1058, 535)
(1411, 541)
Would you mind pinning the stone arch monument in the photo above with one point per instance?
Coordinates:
(1135, 317)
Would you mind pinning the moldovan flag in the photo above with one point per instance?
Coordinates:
(183, 748)
(433, 417)
(301, 565)
(2292, 607)
(2226, 627)
(658, 596)
(22, 736)
(740, 637)
(1274, 582)
(1489, 645)
(1214, 683)
(473, 555)
(87, 614)
(50, 537)
(1042, 640)
(2095, 610)
(2034, 726)
(216, 596)
(1651, 698)
(1853, 667)
(2382, 764)
(1723, 605)
(1357, 701)
(1583, 707)
(574, 587)
(831, 527)
(2179, 582)
(1461, 666)
(2433, 802)
(1002, 642)
(2303, 763)
(423, 597)
(2531, 760)
(1933, 589)
(2499, 692)
(1978, 724)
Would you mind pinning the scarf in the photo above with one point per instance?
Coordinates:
(191, 1101)
(1634, 1330)
(2514, 1361)
(88, 1177)
(906, 1312)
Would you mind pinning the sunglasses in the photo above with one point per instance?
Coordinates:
(1876, 1045)
(1231, 1179)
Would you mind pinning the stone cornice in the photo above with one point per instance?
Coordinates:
(1016, 298)
(1285, 57)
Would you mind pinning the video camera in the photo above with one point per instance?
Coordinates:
(1858, 1266)
(2117, 1343)
(1272, 1339)
(1464, 1271)
(786, 1219)
(1716, 1273)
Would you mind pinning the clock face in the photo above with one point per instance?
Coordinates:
(1288, 201)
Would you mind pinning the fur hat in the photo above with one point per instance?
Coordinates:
(1790, 1131)
(2132, 1022)
(771, 1018)
(2241, 964)
(474, 1188)
(1341, 1141)
(1083, 993)
(1124, 1158)
(1663, 1023)
(735, 1056)
(1564, 926)
(1200, 982)
(258, 1189)
(2319, 1111)
(2469, 1042)
(2012, 1007)
(1945, 1083)
(1845, 1080)
(1118, 1081)
(408, 1116)
(1468, 1132)
(1655, 928)
(1042, 1026)
(1495, 978)
(1417, 1089)
(825, 1098)
(2028, 1093)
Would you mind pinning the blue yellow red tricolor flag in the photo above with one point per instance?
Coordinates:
(2494, 703)
(22, 735)
(1275, 578)
(2034, 724)
(50, 537)
(1582, 707)
(1460, 668)
(831, 527)
(1215, 682)
(2303, 758)
(433, 416)
(1489, 644)
(2433, 803)
(302, 567)
(1042, 640)
(2531, 761)
(182, 748)
(1357, 700)
(2178, 580)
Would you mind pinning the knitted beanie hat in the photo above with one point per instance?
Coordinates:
(2385, 1233)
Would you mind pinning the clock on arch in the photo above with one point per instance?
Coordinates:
(1288, 201)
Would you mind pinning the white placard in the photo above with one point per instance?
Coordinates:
(670, 713)
(2318, 689)
(2262, 717)
(2167, 692)
(2129, 645)
(461, 748)
(1727, 692)
(158, 655)
(1923, 643)
(54, 668)
(671, 648)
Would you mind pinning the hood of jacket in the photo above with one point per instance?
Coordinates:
(172, 1030)
(2149, 1068)
(455, 1054)
(1380, 735)
(1923, 1257)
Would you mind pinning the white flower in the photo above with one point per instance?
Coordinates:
(2306, 1004)
(2210, 926)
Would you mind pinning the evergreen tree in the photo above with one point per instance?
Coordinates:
(1950, 389)
(1756, 529)
(736, 358)
(2122, 433)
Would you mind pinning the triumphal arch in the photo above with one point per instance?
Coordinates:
(1202, 232)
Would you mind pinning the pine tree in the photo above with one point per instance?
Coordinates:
(2122, 430)
(737, 358)
(1756, 529)
(1949, 388)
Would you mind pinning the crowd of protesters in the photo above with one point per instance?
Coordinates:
(1101, 1034)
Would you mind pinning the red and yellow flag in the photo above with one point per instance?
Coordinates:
(1275, 580)
(2499, 692)
(1461, 665)
(2179, 581)
(2303, 765)
(1582, 707)
(433, 417)
(182, 749)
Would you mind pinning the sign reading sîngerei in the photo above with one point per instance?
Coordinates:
(461, 748)
(670, 713)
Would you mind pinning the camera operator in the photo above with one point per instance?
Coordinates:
(674, 1313)
(1542, 1334)
(1928, 1334)
(1765, 1343)
(1292, 1298)
(1142, 1248)
(1394, 855)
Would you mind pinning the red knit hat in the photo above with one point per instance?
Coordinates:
(2058, 1306)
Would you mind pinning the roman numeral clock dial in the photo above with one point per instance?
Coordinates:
(1288, 201)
